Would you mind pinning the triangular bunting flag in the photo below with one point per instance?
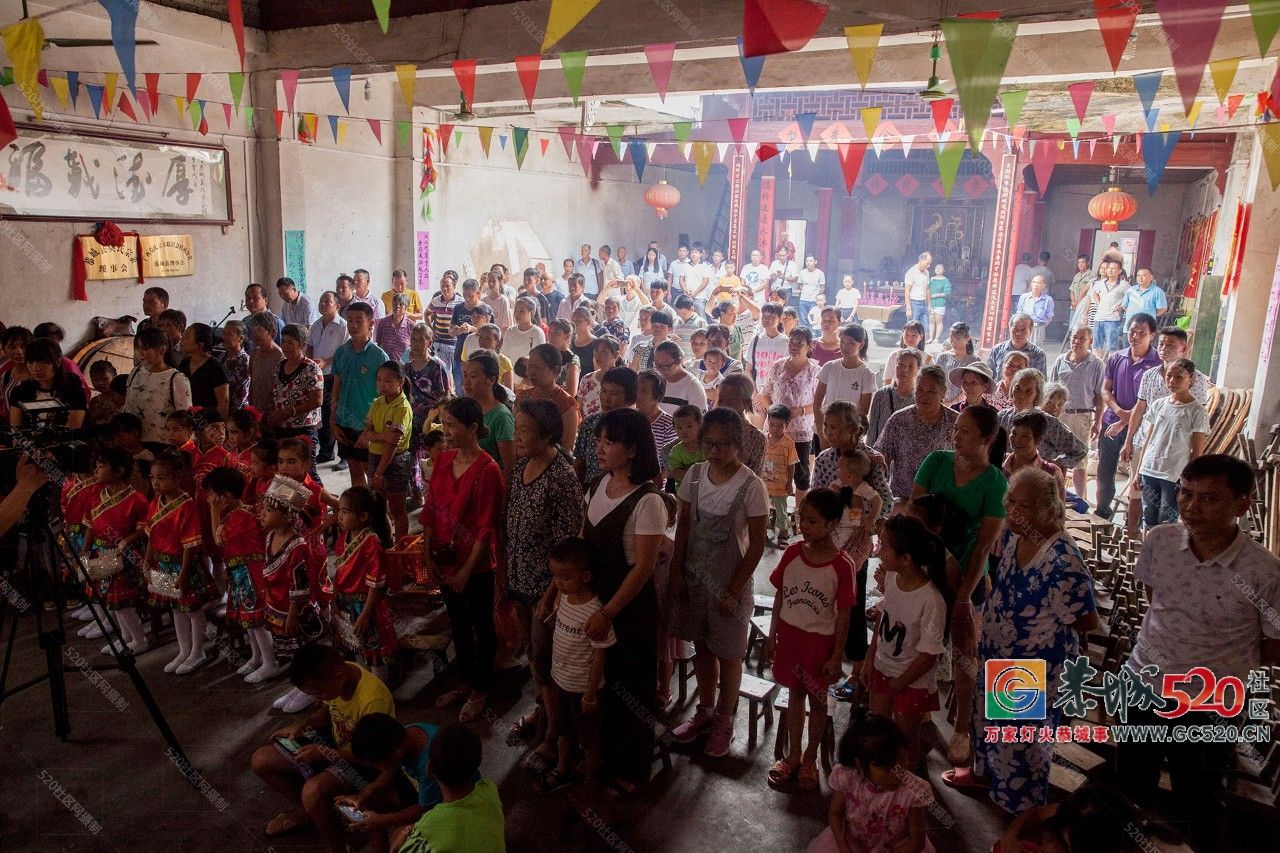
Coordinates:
(805, 122)
(236, 81)
(543, 143)
(877, 145)
(1042, 163)
(906, 141)
(443, 134)
(8, 130)
(650, 147)
(197, 114)
(289, 82)
(1270, 149)
(95, 98)
(681, 130)
(1194, 115)
(702, 154)
(1191, 25)
(23, 42)
(778, 26)
(1093, 144)
(751, 68)
(375, 125)
(73, 87)
(851, 155)
(661, 57)
(1146, 86)
(863, 42)
(1221, 115)
(109, 90)
(738, 129)
(766, 151)
(521, 144)
(527, 70)
(235, 15)
(127, 108)
(1151, 118)
(563, 17)
(404, 130)
(382, 10)
(1223, 72)
(722, 148)
(948, 156)
(464, 70)
(333, 126)
(979, 51)
(1012, 103)
(1233, 104)
(124, 28)
(615, 139)
(1156, 150)
(1266, 20)
(586, 152)
(1080, 95)
(502, 141)
(573, 64)
(226, 115)
(342, 82)
(639, 157)
(153, 91)
(407, 74)
(1115, 19)
(279, 117)
(61, 90)
(1073, 127)
(812, 148)
(486, 138)
(193, 84)
(567, 133)
(1109, 123)
(941, 110)
(870, 121)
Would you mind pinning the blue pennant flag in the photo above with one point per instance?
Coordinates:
(1156, 150)
(95, 98)
(1147, 84)
(73, 86)
(124, 35)
(1152, 115)
(751, 68)
(502, 142)
(342, 81)
(806, 120)
(333, 126)
(639, 157)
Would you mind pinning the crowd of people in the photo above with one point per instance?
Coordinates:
(608, 455)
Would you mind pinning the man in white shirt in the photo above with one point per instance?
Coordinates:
(755, 275)
(847, 299)
(698, 279)
(676, 271)
(562, 282)
(1022, 275)
(294, 307)
(1109, 295)
(610, 270)
(323, 339)
(1172, 344)
(363, 294)
(1037, 305)
(575, 300)
(916, 290)
(783, 273)
(813, 283)
(683, 388)
(1043, 269)
(590, 270)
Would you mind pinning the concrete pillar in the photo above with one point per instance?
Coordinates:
(405, 209)
(267, 235)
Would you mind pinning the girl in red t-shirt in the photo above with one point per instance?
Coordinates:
(361, 619)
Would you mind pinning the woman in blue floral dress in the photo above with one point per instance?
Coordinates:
(1041, 604)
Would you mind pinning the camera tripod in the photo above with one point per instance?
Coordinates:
(43, 554)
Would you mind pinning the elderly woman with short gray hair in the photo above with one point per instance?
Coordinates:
(393, 332)
(264, 361)
(1059, 445)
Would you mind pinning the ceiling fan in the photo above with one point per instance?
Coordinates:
(78, 42)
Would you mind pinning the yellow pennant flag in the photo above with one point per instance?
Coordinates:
(408, 76)
(342, 131)
(565, 15)
(23, 41)
(62, 90)
(1223, 72)
(1194, 115)
(1271, 151)
(863, 42)
(486, 138)
(312, 121)
(180, 103)
(703, 152)
(870, 120)
(109, 84)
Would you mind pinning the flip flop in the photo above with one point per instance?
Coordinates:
(285, 823)
(808, 780)
(452, 697)
(521, 727)
(535, 759)
(553, 780)
(782, 772)
(472, 708)
(963, 779)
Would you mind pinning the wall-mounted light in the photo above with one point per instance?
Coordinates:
(368, 90)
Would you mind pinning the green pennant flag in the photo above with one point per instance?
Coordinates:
(6, 76)
(573, 63)
(236, 79)
(948, 155)
(682, 129)
(1266, 20)
(1073, 127)
(402, 132)
(615, 138)
(248, 118)
(196, 109)
(382, 8)
(979, 51)
(457, 137)
(1012, 103)
(521, 135)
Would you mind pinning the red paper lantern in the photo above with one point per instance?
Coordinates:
(1111, 207)
(662, 197)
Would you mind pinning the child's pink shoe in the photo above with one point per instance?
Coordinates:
(721, 737)
(692, 728)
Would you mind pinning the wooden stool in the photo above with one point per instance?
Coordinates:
(825, 749)
(759, 635)
(763, 604)
(684, 674)
(759, 695)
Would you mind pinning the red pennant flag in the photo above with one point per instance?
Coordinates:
(193, 83)
(1042, 162)
(851, 154)
(661, 57)
(465, 71)
(127, 108)
(42, 77)
(738, 129)
(235, 13)
(444, 133)
(567, 133)
(586, 151)
(279, 122)
(1115, 21)
(226, 114)
(777, 26)
(1191, 26)
(766, 151)
(375, 125)
(544, 142)
(941, 112)
(1233, 104)
(153, 91)
(8, 131)
(1080, 95)
(204, 125)
(527, 68)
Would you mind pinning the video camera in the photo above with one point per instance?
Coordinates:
(59, 450)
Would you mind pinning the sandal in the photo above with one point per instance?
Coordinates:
(539, 758)
(472, 707)
(285, 823)
(521, 728)
(452, 697)
(781, 773)
(959, 750)
(963, 779)
(808, 776)
(553, 780)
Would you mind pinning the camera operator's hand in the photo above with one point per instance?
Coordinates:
(30, 475)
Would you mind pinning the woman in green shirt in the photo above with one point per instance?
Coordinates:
(968, 478)
(480, 383)
(939, 290)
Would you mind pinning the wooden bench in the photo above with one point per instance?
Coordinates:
(759, 694)
(684, 674)
(763, 604)
(759, 635)
(825, 750)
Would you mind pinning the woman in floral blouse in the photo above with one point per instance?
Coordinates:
(298, 391)
(792, 382)
(236, 362)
